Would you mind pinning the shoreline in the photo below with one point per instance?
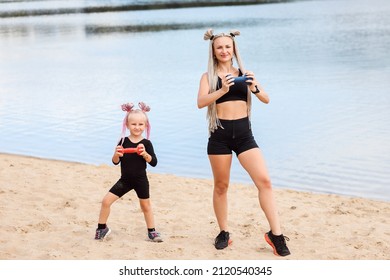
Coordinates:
(133, 7)
(51, 209)
(232, 182)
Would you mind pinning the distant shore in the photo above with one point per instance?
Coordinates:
(150, 5)
(50, 210)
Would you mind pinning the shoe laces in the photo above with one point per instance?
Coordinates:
(222, 236)
(280, 241)
(154, 234)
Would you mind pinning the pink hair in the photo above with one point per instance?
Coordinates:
(129, 107)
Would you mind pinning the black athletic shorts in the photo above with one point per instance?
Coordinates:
(138, 183)
(236, 135)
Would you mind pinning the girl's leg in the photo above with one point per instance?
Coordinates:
(146, 208)
(253, 162)
(221, 165)
(105, 209)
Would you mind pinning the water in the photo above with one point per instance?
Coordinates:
(325, 64)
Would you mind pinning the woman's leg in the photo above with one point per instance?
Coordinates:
(253, 162)
(221, 165)
(105, 209)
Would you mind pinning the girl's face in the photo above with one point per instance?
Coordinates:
(223, 49)
(136, 123)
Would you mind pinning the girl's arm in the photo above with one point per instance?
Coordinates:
(148, 153)
(116, 158)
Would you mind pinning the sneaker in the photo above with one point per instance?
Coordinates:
(222, 240)
(154, 236)
(278, 243)
(101, 234)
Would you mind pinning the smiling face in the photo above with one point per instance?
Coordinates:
(136, 123)
(223, 48)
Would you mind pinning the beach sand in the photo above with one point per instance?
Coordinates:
(49, 211)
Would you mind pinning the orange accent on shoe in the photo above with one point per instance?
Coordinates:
(271, 244)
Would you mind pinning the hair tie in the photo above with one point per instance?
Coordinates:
(127, 107)
(234, 33)
(144, 108)
(212, 37)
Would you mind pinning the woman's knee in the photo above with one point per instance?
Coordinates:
(264, 183)
(221, 187)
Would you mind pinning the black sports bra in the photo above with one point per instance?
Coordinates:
(238, 91)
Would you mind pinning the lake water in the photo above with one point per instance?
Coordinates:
(325, 65)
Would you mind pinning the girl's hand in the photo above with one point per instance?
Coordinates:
(227, 82)
(141, 149)
(117, 154)
(143, 153)
(118, 151)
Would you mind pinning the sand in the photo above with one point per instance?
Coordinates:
(49, 211)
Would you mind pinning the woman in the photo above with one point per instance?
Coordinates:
(229, 105)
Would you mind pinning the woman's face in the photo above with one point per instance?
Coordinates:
(223, 49)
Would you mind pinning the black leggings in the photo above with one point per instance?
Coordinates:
(236, 135)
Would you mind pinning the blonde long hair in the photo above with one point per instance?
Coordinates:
(213, 75)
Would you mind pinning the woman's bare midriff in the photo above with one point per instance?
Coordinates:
(232, 110)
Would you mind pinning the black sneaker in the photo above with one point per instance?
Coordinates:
(154, 236)
(222, 240)
(102, 234)
(278, 243)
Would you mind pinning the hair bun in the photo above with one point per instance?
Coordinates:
(127, 107)
(234, 32)
(208, 35)
(143, 107)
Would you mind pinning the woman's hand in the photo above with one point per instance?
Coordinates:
(227, 82)
(206, 98)
(255, 86)
(251, 81)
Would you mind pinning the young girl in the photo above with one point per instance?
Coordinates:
(133, 170)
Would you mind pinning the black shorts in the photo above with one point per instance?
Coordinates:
(236, 135)
(140, 184)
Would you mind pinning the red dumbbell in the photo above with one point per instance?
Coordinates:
(137, 150)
